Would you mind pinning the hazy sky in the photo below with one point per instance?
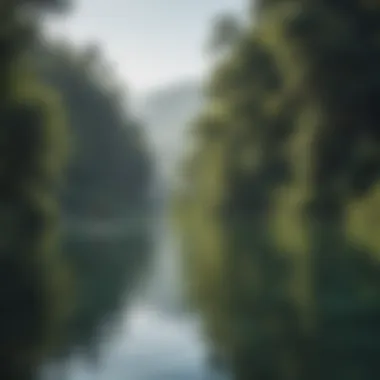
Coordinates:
(152, 42)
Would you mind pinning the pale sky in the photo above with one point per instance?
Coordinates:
(152, 42)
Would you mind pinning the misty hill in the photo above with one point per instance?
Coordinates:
(166, 114)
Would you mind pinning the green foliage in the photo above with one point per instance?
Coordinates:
(108, 180)
(109, 157)
(33, 278)
(225, 32)
(277, 218)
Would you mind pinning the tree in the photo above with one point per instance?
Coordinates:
(276, 231)
(225, 32)
(108, 181)
(33, 274)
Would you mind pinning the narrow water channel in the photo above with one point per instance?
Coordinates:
(159, 339)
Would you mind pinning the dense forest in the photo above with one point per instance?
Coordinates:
(277, 208)
(33, 273)
(278, 205)
(73, 157)
(109, 179)
(110, 166)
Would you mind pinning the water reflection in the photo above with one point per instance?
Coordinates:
(157, 345)
(153, 345)
(159, 340)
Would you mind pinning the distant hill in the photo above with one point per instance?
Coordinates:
(167, 113)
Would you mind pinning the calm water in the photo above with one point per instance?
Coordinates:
(158, 340)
